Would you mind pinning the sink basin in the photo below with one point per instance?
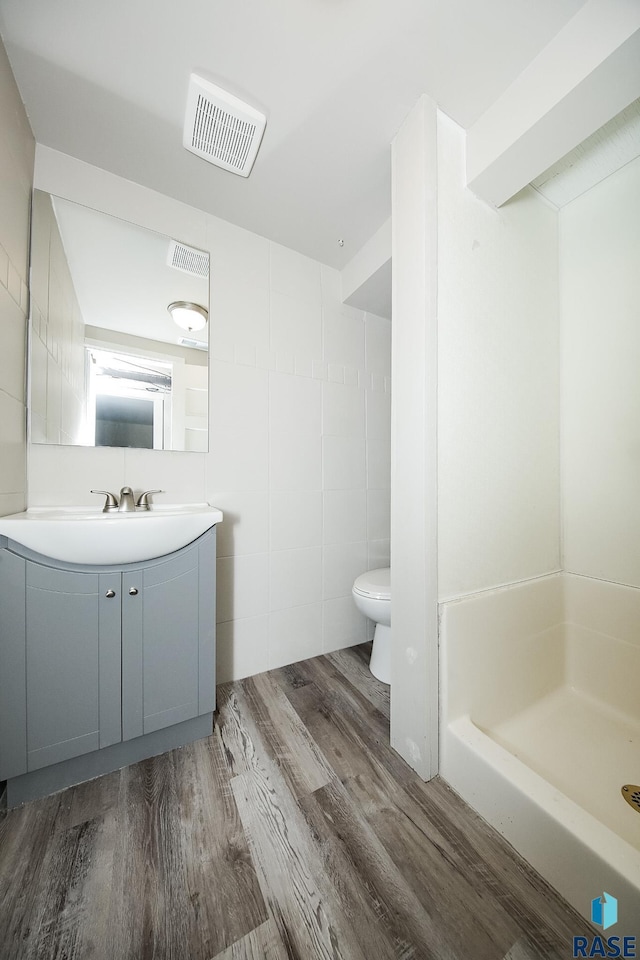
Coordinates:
(86, 535)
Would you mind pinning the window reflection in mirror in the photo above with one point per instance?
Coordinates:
(108, 365)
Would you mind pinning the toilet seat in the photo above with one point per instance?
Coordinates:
(375, 584)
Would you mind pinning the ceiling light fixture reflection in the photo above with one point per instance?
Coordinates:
(189, 316)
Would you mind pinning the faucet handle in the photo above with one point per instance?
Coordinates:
(111, 503)
(142, 503)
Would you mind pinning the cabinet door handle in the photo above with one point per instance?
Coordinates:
(133, 591)
(110, 594)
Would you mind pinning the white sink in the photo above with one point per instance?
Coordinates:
(86, 535)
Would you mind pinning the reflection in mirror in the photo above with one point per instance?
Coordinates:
(109, 364)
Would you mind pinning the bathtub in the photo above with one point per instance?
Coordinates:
(541, 728)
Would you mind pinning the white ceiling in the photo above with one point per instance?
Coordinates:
(107, 83)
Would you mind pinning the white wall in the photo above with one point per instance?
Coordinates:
(414, 685)
(498, 388)
(16, 177)
(299, 427)
(600, 303)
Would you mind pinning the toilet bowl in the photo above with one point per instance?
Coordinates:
(372, 595)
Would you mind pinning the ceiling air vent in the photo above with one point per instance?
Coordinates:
(194, 344)
(188, 259)
(220, 128)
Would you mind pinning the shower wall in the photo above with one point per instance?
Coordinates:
(600, 308)
(498, 390)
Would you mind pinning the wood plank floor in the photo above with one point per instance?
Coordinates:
(294, 831)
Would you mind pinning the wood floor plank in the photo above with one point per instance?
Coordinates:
(523, 949)
(91, 800)
(263, 943)
(238, 734)
(414, 930)
(221, 880)
(293, 676)
(295, 888)
(468, 920)
(25, 859)
(351, 747)
(345, 699)
(287, 740)
(478, 851)
(293, 831)
(355, 669)
(61, 928)
(148, 860)
(298, 894)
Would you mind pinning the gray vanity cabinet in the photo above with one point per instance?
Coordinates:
(168, 664)
(100, 666)
(72, 663)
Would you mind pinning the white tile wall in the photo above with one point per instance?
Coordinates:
(296, 326)
(237, 462)
(299, 436)
(342, 563)
(295, 518)
(343, 339)
(378, 414)
(62, 475)
(246, 523)
(344, 463)
(242, 647)
(378, 345)
(243, 587)
(342, 625)
(16, 178)
(296, 275)
(378, 520)
(345, 516)
(379, 554)
(342, 410)
(296, 577)
(12, 443)
(295, 461)
(378, 472)
(294, 405)
(177, 470)
(295, 633)
(240, 315)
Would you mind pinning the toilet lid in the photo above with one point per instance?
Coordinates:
(375, 583)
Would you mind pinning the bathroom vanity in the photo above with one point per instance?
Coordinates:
(101, 665)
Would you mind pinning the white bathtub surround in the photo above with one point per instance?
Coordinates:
(600, 251)
(299, 426)
(537, 483)
(541, 727)
(498, 383)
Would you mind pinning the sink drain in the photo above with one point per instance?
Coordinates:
(631, 793)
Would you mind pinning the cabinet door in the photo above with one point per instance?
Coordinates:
(160, 641)
(13, 682)
(72, 663)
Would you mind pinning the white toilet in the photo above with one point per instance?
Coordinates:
(372, 594)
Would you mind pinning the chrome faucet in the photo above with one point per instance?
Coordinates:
(126, 503)
(143, 502)
(111, 503)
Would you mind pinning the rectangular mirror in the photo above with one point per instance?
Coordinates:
(110, 365)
